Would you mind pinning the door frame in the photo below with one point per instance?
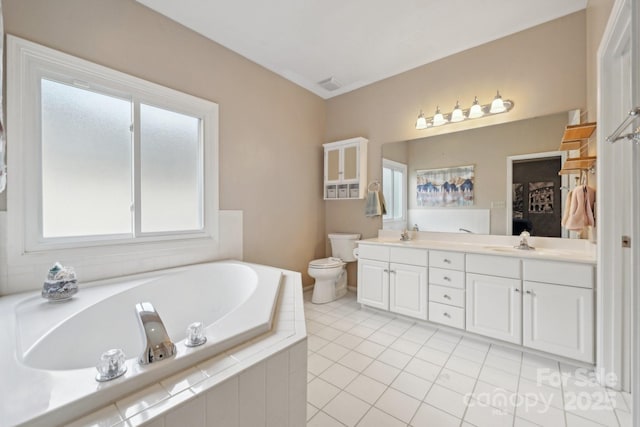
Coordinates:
(564, 186)
(614, 280)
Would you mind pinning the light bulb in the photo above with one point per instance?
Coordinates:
(476, 109)
(457, 115)
(438, 118)
(421, 123)
(497, 106)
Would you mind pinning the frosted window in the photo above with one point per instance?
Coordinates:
(171, 194)
(387, 191)
(86, 162)
(398, 194)
(394, 189)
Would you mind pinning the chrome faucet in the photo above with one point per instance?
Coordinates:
(405, 236)
(157, 344)
(524, 243)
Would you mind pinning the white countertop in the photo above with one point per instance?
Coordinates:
(546, 248)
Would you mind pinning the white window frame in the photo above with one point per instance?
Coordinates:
(391, 164)
(27, 63)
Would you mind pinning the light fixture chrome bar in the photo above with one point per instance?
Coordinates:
(427, 122)
(617, 134)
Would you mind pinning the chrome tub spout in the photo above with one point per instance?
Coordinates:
(157, 344)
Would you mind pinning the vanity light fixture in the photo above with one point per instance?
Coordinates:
(477, 110)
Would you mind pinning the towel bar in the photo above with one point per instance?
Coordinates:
(635, 136)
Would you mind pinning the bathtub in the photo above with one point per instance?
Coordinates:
(49, 350)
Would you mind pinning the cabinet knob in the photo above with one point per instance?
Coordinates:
(529, 292)
(385, 270)
(446, 315)
(393, 271)
(447, 296)
(447, 261)
(447, 278)
(516, 290)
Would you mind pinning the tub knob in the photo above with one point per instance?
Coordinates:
(111, 365)
(195, 335)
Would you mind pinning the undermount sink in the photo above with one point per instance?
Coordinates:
(507, 249)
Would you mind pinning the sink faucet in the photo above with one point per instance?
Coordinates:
(405, 236)
(157, 344)
(524, 244)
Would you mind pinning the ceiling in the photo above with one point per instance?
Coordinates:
(355, 42)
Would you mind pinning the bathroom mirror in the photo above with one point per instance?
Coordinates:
(538, 193)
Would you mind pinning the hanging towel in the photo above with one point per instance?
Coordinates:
(567, 209)
(375, 204)
(581, 215)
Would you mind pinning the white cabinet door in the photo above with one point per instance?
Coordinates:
(494, 307)
(559, 319)
(408, 290)
(373, 283)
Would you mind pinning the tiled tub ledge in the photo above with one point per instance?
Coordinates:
(259, 383)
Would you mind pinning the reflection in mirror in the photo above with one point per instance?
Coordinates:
(487, 150)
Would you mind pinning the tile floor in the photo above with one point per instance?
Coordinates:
(367, 368)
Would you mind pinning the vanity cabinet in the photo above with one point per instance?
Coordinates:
(373, 283)
(494, 307)
(558, 308)
(345, 169)
(393, 279)
(446, 288)
(494, 297)
(540, 304)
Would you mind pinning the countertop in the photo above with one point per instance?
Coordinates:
(546, 248)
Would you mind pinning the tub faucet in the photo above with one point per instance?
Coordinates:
(157, 344)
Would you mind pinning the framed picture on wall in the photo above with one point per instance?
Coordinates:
(446, 187)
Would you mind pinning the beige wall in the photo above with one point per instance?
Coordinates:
(542, 69)
(598, 12)
(271, 130)
(487, 149)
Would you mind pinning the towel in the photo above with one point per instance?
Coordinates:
(567, 209)
(580, 208)
(375, 204)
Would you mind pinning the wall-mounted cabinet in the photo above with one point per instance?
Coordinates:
(345, 169)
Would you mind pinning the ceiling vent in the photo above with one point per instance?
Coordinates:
(330, 84)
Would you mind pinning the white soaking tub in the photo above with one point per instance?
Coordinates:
(49, 350)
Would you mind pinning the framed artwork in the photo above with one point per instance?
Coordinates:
(446, 187)
(518, 201)
(541, 197)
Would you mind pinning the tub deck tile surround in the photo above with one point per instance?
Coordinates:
(217, 391)
(412, 374)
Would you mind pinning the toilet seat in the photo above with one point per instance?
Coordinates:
(330, 262)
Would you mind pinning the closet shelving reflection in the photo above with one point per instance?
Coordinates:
(576, 137)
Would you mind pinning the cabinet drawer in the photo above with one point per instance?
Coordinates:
(444, 277)
(494, 265)
(409, 256)
(446, 314)
(561, 273)
(451, 260)
(445, 295)
(377, 252)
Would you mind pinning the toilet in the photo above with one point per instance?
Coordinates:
(330, 274)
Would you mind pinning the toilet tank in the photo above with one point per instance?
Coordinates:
(342, 245)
